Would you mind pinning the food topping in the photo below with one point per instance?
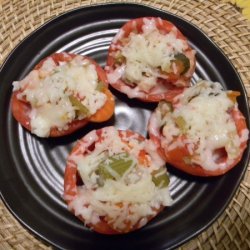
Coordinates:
(59, 94)
(202, 121)
(123, 180)
(148, 55)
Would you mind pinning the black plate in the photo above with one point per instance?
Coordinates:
(31, 173)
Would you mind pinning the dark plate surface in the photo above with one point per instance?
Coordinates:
(31, 169)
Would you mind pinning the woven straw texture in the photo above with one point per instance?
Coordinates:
(220, 21)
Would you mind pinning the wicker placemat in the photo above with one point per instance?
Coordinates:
(221, 22)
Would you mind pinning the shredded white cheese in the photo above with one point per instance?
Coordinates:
(48, 90)
(145, 54)
(206, 123)
(135, 191)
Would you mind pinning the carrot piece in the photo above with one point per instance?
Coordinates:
(107, 110)
(232, 95)
(143, 160)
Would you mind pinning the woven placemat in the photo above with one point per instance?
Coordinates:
(220, 21)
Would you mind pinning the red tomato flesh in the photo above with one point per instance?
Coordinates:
(21, 109)
(170, 90)
(70, 181)
(176, 156)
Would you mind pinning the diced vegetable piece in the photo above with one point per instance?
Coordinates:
(181, 123)
(119, 58)
(160, 178)
(81, 109)
(114, 167)
(182, 62)
(100, 86)
(232, 95)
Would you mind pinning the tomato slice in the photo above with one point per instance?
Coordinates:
(21, 109)
(181, 158)
(176, 156)
(172, 84)
(84, 147)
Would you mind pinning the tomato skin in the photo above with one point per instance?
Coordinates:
(21, 112)
(70, 182)
(21, 109)
(168, 96)
(175, 156)
(170, 90)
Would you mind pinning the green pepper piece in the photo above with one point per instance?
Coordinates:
(81, 109)
(100, 86)
(160, 178)
(119, 58)
(118, 164)
(181, 123)
(183, 63)
(103, 173)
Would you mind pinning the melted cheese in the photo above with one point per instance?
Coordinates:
(135, 190)
(141, 191)
(44, 117)
(48, 90)
(145, 53)
(206, 123)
